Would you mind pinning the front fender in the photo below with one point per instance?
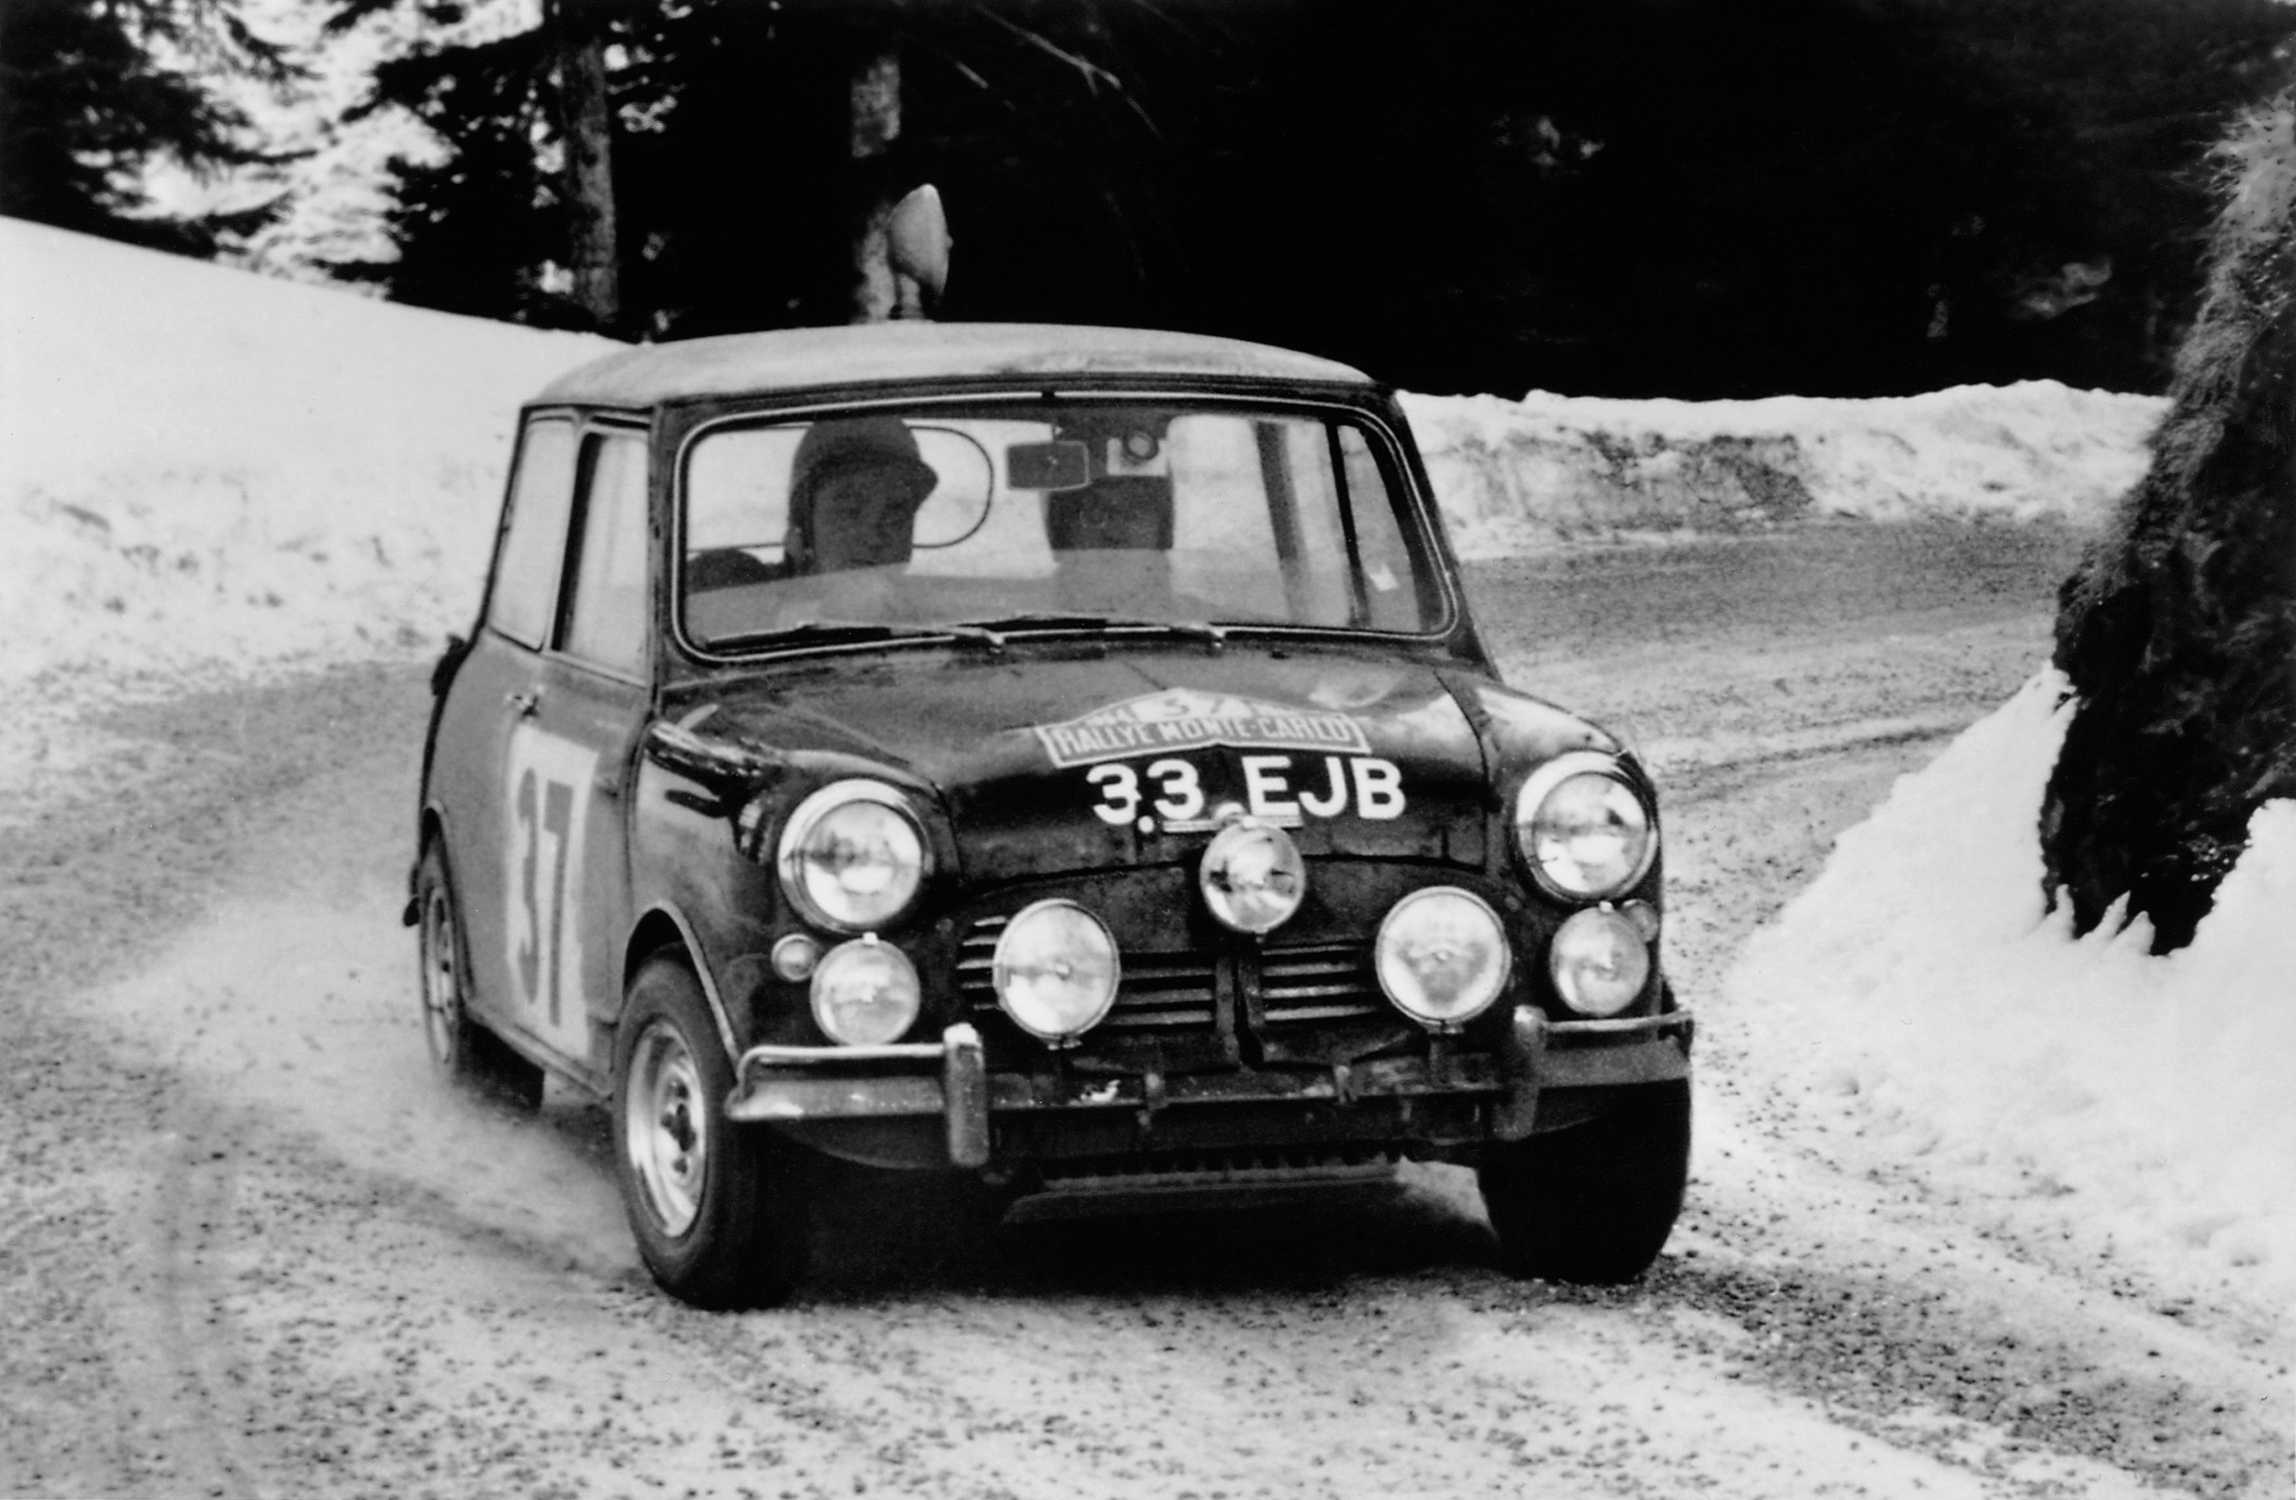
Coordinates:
(661, 926)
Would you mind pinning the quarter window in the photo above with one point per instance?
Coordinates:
(1393, 591)
(607, 619)
(534, 547)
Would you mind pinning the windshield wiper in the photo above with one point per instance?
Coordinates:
(862, 632)
(1203, 630)
(990, 633)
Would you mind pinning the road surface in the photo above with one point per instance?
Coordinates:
(251, 1249)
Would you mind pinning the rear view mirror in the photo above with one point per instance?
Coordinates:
(1048, 466)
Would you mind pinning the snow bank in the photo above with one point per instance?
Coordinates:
(204, 469)
(1518, 475)
(1917, 993)
(200, 467)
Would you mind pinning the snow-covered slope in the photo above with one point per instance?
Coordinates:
(203, 472)
(201, 467)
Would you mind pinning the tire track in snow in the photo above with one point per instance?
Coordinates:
(180, 1352)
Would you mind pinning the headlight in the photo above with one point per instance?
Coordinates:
(1600, 961)
(1252, 877)
(853, 855)
(865, 992)
(1442, 956)
(1056, 969)
(1584, 831)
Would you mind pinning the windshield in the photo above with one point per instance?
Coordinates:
(1071, 515)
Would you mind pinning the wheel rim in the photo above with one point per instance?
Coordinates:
(665, 1128)
(442, 979)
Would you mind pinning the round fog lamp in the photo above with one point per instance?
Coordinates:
(1055, 970)
(1600, 962)
(865, 992)
(1442, 956)
(1252, 876)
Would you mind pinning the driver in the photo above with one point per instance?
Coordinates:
(854, 490)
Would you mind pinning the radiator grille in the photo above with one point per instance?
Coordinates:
(1175, 994)
(1319, 982)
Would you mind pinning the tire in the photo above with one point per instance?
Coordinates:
(462, 1051)
(1593, 1203)
(718, 1209)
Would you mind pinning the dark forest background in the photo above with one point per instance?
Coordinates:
(1628, 197)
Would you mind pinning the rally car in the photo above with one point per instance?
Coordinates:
(1047, 753)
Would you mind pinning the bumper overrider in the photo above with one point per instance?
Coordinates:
(949, 1082)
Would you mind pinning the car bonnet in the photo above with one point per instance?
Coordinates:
(1050, 763)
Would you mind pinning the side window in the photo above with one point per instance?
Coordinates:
(534, 548)
(607, 619)
(1388, 575)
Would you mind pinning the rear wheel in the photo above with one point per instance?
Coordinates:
(717, 1208)
(1595, 1202)
(463, 1051)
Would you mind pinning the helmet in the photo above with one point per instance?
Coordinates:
(845, 440)
(881, 443)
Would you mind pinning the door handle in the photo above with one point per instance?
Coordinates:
(523, 704)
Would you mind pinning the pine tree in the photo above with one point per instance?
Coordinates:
(476, 226)
(92, 91)
(750, 153)
(519, 214)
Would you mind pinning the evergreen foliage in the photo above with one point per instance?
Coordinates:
(2116, 105)
(476, 229)
(92, 90)
(739, 187)
(2179, 632)
(1629, 197)
(1623, 196)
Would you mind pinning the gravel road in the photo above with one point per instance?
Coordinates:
(250, 1249)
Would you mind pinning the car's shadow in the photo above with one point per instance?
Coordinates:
(880, 1234)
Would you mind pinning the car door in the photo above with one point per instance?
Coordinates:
(567, 760)
(487, 700)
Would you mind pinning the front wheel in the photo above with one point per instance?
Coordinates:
(716, 1207)
(1593, 1203)
(461, 1050)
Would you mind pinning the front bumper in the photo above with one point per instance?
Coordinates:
(949, 1081)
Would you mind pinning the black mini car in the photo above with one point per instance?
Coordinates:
(1047, 753)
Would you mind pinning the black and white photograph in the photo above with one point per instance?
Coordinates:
(1189, 749)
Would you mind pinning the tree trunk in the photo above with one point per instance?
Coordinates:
(879, 294)
(2178, 634)
(586, 125)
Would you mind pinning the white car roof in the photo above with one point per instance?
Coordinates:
(807, 358)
